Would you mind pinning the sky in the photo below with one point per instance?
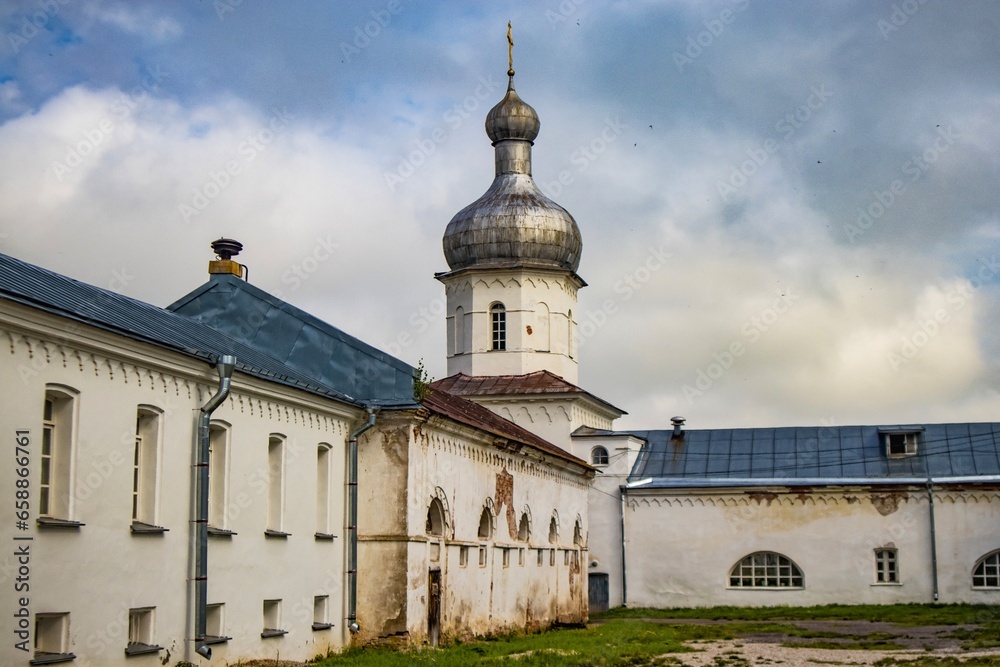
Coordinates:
(790, 210)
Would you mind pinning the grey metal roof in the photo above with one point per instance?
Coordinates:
(49, 291)
(300, 341)
(815, 455)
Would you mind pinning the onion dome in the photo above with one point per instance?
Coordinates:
(513, 223)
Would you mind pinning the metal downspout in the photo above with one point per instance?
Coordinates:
(621, 514)
(934, 563)
(224, 367)
(352, 522)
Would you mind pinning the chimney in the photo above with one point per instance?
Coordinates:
(225, 249)
(678, 423)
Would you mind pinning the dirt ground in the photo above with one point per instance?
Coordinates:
(767, 649)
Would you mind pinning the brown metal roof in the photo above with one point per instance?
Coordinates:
(539, 382)
(472, 414)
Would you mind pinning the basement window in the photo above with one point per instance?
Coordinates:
(987, 572)
(766, 569)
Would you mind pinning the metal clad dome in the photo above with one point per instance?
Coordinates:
(513, 222)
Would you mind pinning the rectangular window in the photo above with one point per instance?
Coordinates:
(499, 320)
(140, 632)
(323, 490)
(56, 457)
(506, 557)
(482, 556)
(144, 466)
(272, 619)
(215, 623)
(275, 481)
(900, 443)
(520, 557)
(321, 613)
(52, 638)
(886, 570)
(218, 448)
(552, 557)
(463, 556)
(541, 557)
(565, 557)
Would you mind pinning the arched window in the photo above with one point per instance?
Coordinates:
(599, 456)
(435, 518)
(524, 528)
(486, 524)
(459, 330)
(986, 574)
(498, 317)
(766, 569)
(578, 533)
(553, 529)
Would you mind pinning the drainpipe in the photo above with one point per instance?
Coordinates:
(224, 367)
(352, 522)
(934, 563)
(621, 514)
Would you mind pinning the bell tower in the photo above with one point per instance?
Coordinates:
(513, 256)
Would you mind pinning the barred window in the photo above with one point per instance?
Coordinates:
(987, 571)
(498, 315)
(766, 569)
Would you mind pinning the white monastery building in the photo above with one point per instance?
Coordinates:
(232, 477)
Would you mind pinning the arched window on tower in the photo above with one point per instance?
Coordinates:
(498, 316)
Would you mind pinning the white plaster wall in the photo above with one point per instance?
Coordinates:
(530, 298)
(99, 571)
(681, 547)
(462, 466)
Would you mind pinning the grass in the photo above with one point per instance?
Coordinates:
(622, 640)
(900, 614)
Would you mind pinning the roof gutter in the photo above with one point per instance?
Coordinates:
(225, 366)
(352, 521)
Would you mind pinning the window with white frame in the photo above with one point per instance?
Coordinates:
(140, 631)
(886, 567)
(321, 613)
(218, 475)
(144, 465)
(766, 569)
(275, 483)
(498, 319)
(899, 442)
(272, 619)
(986, 573)
(56, 458)
(52, 638)
(599, 456)
(323, 475)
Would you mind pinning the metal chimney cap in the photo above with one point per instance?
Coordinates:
(226, 248)
(677, 421)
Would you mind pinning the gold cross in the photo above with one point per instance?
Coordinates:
(510, 51)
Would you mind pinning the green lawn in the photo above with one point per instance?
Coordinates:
(622, 640)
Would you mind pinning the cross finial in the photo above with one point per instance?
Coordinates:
(510, 51)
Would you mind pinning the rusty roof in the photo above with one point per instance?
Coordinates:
(472, 414)
(539, 382)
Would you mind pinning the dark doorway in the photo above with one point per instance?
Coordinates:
(434, 607)
(598, 594)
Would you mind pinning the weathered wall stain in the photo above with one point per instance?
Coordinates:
(505, 496)
(886, 503)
